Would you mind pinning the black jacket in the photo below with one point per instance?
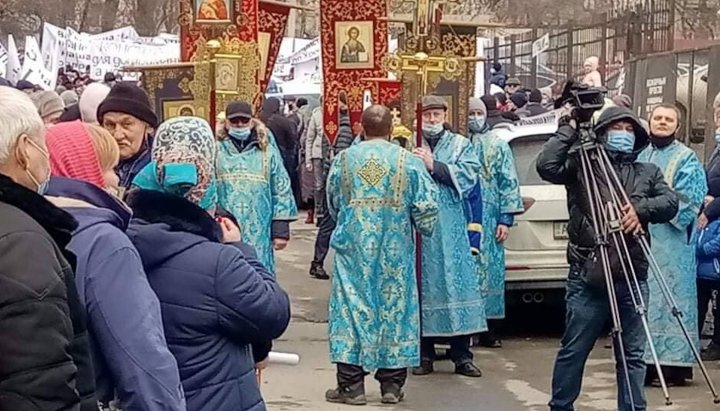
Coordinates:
(44, 348)
(495, 117)
(531, 109)
(712, 170)
(653, 200)
(284, 130)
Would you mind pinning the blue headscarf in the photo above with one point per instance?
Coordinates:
(183, 162)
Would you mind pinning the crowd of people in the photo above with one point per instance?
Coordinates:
(138, 256)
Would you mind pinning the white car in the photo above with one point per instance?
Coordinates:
(535, 254)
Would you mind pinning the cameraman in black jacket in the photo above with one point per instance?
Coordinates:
(652, 201)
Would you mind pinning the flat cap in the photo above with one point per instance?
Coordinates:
(433, 102)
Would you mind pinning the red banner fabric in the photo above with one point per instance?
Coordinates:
(272, 21)
(354, 39)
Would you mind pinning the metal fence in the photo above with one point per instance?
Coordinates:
(618, 38)
(688, 78)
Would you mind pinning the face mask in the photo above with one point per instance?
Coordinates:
(433, 130)
(240, 134)
(476, 123)
(41, 187)
(620, 140)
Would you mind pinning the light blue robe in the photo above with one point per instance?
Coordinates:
(255, 188)
(675, 254)
(501, 200)
(377, 191)
(452, 302)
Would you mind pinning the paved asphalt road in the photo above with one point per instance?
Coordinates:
(516, 377)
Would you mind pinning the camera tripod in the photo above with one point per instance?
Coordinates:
(606, 213)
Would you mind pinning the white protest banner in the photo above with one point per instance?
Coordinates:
(111, 56)
(13, 64)
(33, 69)
(3, 60)
(123, 33)
(540, 45)
(54, 50)
(78, 50)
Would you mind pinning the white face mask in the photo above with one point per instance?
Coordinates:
(41, 186)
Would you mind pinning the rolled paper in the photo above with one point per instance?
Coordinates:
(283, 358)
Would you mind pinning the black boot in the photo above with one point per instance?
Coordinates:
(318, 271)
(391, 393)
(488, 339)
(711, 352)
(344, 395)
(425, 368)
(468, 369)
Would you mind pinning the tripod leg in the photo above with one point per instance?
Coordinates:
(657, 273)
(638, 301)
(617, 324)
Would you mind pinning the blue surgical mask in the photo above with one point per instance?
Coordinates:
(239, 133)
(433, 130)
(620, 140)
(476, 124)
(717, 136)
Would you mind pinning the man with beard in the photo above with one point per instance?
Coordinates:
(671, 245)
(453, 307)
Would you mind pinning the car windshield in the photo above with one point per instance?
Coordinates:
(525, 151)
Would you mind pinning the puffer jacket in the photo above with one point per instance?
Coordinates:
(712, 170)
(707, 251)
(216, 300)
(131, 359)
(653, 200)
(44, 347)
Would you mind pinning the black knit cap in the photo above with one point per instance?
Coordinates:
(129, 99)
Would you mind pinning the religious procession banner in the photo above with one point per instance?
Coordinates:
(234, 24)
(354, 38)
(272, 23)
(181, 89)
(455, 86)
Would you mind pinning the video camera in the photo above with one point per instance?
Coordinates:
(585, 99)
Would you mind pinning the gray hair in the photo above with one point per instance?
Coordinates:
(18, 116)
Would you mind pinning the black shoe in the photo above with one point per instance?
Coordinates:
(489, 340)
(342, 395)
(711, 352)
(391, 394)
(318, 271)
(468, 369)
(425, 368)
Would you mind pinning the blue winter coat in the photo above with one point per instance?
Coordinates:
(131, 358)
(707, 251)
(215, 300)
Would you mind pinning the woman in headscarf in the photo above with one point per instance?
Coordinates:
(132, 363)
(216, 299)
(501, 202)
